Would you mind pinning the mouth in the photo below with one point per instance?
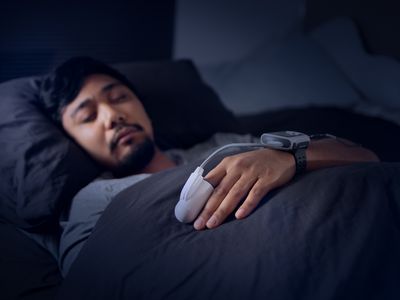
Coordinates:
(124, 135)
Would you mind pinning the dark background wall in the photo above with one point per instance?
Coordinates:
(212, 31)
(37, 35)
(378, 20)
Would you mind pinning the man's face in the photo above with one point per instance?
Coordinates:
(110, 123)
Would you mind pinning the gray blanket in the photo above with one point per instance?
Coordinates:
(329, 234)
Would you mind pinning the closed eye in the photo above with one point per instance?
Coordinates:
(89, 118)
(119, 98)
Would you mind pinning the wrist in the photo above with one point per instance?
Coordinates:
(300, 160)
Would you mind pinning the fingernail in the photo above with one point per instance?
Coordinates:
(212, 222)
(199, 224)
(240, 213)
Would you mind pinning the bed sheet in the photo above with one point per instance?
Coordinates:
(329, 234)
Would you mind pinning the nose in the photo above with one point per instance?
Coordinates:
(112, 117)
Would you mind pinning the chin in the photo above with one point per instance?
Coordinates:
(137, 159)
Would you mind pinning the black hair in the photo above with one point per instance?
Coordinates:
(61, 86)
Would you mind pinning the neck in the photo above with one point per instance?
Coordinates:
(160, 162)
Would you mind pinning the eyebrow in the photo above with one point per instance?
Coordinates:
(108, 87)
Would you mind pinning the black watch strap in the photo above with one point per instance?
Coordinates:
(300, 159)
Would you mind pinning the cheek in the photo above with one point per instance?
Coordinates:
(91, 140)
(147, 127)
(91, 136)
(141, 117)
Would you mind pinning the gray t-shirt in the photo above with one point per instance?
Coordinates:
(88, 205)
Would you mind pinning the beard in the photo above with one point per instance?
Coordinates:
(136, 160)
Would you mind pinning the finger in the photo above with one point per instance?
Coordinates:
(257, 192)
(236, 194)
(215, 176)
(220, 192)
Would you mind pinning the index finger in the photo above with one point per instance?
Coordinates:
(215, 176)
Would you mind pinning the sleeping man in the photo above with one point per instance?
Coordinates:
(101, 111)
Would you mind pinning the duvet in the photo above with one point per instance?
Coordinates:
(329, 234)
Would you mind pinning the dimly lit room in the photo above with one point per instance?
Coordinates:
(184, 149)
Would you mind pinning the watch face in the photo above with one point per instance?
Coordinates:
(285, 140)
(288, 134)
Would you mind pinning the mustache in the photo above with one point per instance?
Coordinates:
(114, 141)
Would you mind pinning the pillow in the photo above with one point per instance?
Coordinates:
(178, 102)
(42, 169)
(376, 110)
(295, 72)
(377, 77)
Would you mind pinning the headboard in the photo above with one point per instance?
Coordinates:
(377, 20)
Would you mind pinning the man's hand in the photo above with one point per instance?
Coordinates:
(249, 176)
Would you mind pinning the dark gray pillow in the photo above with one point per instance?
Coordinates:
(42, 169)
(184, 110)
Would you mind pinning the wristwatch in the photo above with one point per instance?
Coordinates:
(290, 141)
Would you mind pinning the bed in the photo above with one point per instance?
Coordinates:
(329, 234)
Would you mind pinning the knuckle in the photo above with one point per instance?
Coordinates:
(220, 191)
(268, 172)
(206, 213)
(251, 203)
(240, 163)
(221, 212)
(211, 206)
(226, 160)
(236, 193)
(257, 193)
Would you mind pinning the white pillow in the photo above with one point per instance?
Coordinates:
(377, 77)
(295, 72)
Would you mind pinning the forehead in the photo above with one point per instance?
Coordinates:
(94, 85)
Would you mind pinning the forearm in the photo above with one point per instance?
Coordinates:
(334, 152)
